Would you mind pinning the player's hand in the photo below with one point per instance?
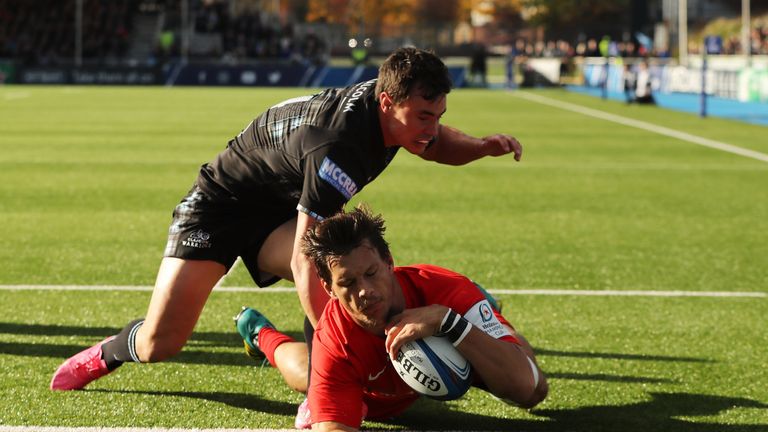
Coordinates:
(412, 324)
(499, 145)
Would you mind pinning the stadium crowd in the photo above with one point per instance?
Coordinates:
(732, 45)
(606, 47)
(251, 34)
(43, 32)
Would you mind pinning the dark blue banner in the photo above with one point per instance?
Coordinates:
(277, 75)
(88, 75)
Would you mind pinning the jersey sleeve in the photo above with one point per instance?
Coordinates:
(446, 287)
(335, 392)
(333, 174)
(483, 316)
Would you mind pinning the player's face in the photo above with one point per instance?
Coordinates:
(414, 123)
(366, 287)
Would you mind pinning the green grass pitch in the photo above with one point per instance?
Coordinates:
(89, 177)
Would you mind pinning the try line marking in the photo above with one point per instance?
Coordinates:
(661, 130)
(549, 292)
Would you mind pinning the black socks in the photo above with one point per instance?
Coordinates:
(123, 347)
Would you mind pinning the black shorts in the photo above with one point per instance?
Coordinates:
(206, 228)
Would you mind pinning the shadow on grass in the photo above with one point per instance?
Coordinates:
(190, 355)
(226, 339)
(231, 339)
(661, 413)
(616, 356)
(237, 400)
(187, 356)
(194, 353)
(608, 378)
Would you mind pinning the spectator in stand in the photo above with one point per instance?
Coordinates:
(629, 49)
(581, 49)
(643, 93)
(313, 49)
(41, 31)
(478, 67)
(515, 52)
(629, 83)
(592, 49)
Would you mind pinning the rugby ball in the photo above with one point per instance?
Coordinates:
(434, 367)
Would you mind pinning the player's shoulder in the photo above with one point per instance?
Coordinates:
(435, 284)
(428, 272)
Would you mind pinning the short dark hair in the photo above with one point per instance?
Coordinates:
(408, 68)
(338, 235)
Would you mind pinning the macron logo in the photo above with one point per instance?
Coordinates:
(337, 178)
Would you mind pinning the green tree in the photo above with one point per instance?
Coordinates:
(557, 13)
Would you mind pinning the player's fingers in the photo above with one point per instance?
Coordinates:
(405, 334)
(392, 350)
(498, 145)
(506, 143)
(510, 144)
(393, 344)
(517, 148)
(391, 332)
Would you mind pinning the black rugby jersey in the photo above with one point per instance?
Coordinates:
(310, 153)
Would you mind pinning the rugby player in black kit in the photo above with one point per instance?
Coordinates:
(295, 164)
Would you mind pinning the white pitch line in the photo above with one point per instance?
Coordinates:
(630, 293)
(546, 292)
(643, 125)
(123, 429)
(16, 95)
(253, 289)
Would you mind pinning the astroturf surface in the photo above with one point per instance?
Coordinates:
(89, 177)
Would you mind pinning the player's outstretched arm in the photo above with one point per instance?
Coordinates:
(454, 147)
(311, 294)
(508, 370)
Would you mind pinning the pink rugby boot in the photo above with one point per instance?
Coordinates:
(80, 369)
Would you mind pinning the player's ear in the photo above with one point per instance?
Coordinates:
(385, 101)
(327, 287)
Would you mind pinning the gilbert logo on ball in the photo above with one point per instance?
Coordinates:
(434, 367)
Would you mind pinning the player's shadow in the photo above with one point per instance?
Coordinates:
(56, 330)
(616, 356)
(216, 339)
(608, 378)
(661, 413)
(194, 353)
(237, 400)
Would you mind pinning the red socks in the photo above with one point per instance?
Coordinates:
(269, 340)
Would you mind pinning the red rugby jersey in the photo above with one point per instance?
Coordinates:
(351, 365)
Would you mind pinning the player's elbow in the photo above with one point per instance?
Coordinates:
(300, 268)
(537, 396)
(523, 390)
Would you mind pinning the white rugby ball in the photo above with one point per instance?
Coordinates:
(434, 367)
